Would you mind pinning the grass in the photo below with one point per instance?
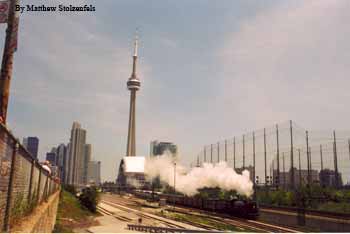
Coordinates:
(341, 207)
(207, 222)
(71, 214)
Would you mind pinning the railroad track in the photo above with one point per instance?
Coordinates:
(145, 215)
(238, 222)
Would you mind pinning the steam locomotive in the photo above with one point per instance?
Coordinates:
(239, 207)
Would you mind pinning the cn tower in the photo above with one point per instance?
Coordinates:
(133, 85)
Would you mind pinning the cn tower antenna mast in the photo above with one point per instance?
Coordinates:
(133, 85)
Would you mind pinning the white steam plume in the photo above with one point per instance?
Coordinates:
(211, 176)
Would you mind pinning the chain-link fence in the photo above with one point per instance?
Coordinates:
(23, 182)
(286, 155)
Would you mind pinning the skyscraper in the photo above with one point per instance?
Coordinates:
(62, 161)
(51, 157)
(32, 145)
(76, 155)
(133, 85)
(66, 166)
(87, 159)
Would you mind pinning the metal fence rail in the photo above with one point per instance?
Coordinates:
(143, 228)
(285, 155)
(24, 183)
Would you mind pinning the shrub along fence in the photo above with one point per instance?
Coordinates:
(24, 183)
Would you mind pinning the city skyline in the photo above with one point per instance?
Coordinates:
(244, 67)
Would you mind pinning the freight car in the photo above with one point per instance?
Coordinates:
(237, 207)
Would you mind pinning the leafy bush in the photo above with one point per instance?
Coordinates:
(89, 198)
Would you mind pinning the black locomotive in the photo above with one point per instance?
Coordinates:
(240, 207)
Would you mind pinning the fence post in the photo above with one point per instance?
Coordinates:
(6, 226)
(243, 153)
(292, 185)
(225, 150)
(321, 155)
(278, 157)
(211, 153)
(308, 159)
(31, 180)
(218, 152)
(46, 188)
(234, 153)
(39, 185)
(265, 156)
(335, 161)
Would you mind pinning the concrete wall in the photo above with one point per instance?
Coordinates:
(42, 219)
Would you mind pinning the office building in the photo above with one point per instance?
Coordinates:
(62, 160)
(76, 159)
(32, 145)
(87, 159)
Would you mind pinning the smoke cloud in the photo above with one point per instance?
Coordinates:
(188, 182)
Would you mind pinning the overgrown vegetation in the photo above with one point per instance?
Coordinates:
(89, 198)
(71, 214)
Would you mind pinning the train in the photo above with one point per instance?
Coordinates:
(240, 207)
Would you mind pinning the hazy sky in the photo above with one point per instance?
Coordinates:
(209, 70)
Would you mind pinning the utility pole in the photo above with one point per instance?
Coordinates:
(225, 150)
(218, 152)
(234, 153)
(299, 169)
(205, 154)
(284, 172)
(292, 185)
(335, 161)
(254, 160)
(265, 156)
(211, 153)
(174, 181)
(308, 159)
(349, 147)
(7, 59)
(243, 153)
(278, 157)
(321, 157)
